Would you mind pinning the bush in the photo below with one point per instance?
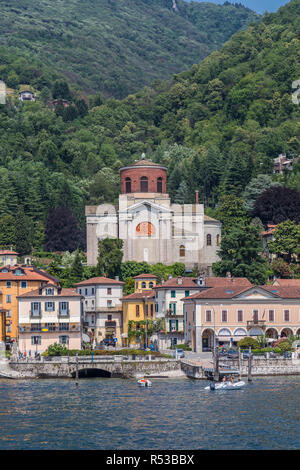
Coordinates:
(183, 346)
(56, 350)
(247, 343)
(284, 346)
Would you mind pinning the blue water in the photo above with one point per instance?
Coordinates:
(173, 414)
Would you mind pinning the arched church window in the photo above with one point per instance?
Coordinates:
(218, 240)
(159, 184)
(128, 185)
(144, 184)
(208, 239)
(143, 285)
(145, 229)
(182, 251)
(151, 284)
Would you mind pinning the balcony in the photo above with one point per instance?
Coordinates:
(256, 324)
(48, 329)
(170, 313)
(110, 324)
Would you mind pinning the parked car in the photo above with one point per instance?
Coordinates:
(180, 353)
(107, 342)
(232, 354)
(247, 354)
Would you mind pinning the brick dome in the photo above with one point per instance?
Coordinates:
(143, 176)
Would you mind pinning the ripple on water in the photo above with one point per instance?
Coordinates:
(173, 414)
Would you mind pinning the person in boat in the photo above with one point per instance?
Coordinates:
(231, 379)
(224, 378)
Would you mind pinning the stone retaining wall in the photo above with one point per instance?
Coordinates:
(67, 369)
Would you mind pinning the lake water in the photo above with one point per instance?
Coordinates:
(173, 414)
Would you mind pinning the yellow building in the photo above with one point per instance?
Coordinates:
(14, 281)
(138, 307)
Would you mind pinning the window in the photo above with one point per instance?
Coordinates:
(143, 285)
(35, 308)
(159, 184)
(80, 291)
(64, 327)
(151, 285)
(271, 315)
(23, 284)
(173, 293)
(109, 291)
(35, 327)
(86, 292)
(208, 315)
(182, 251)
(286, 315)
(240, 315)
(172, 308)
(49, 291)
(35, 340)
(208, 240)
(255, 316)
(144, 184)
(109, 303)
(109, 317)
(49, 306)
(151, 310)
(186, 293)
(63, 308)
(218, 240)
(50, 326)
(127, 185)
(64, 339)
(156, 307)
(8, 314)
(137, 310)
(173, 325)
(8, 299)
(224, 315)
(93, 290)
(8, 284)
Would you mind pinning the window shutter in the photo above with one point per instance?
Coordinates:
(176, 325)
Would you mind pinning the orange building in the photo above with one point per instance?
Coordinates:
(14, 281)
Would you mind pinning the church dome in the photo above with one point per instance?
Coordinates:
(143, 176)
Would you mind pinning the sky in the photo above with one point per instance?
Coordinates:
(257, 5)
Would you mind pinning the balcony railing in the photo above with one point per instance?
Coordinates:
(48, 329)
(171, 313)
(256, 324)
(64, 313)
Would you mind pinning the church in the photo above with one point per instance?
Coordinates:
(152, 228)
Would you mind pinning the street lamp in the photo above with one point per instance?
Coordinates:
(146, 316)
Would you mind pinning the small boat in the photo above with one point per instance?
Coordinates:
(226, 386)
(144, 383)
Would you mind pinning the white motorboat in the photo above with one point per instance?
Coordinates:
(226, 386)
(144, 383)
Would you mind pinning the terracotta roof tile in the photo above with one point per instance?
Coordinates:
(98, 280)
(140, 295)
(64, 292)
(31, 274)
(191, 282)
(145, 276)
(288, 282)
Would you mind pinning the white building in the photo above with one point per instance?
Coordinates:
(152, 228)
(49, 315)
(102, 308)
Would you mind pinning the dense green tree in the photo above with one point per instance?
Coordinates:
(286, 243)
(109, 257)
(7, 231)
(23, 232)
(255, 188)
(62, 231)
(240, 254)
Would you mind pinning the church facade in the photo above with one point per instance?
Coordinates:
(152, 228)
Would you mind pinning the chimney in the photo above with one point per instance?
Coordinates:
(197, 196)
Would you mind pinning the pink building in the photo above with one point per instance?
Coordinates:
(49, 315)
(229, 313)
